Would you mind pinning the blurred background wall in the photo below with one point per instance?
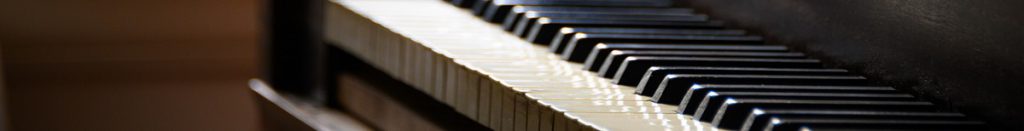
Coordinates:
(3, 93)
(129, 64)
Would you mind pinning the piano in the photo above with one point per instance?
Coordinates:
(557, 65)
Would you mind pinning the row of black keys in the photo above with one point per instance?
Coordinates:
(717, 75)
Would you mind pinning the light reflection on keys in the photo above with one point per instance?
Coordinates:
(527, 81)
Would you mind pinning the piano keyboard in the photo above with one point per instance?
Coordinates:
(614, 65)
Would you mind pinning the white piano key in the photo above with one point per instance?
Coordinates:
(494, 77)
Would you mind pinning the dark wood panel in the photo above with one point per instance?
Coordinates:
(294, 52)
(282, 112)
(388, 104)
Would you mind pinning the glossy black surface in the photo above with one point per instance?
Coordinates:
(674, 86)
(463, 3)
(601, 50)
(615, 58)
(518, 11)
(697, 93)
(704, 110)
(577, 49)
(522, 26)
(735, 111)
(547, 28)
(649, 83)
(294, 48)
(633, 68)
(964, 54)
(762, 117)
(568, 33)
(793, 124)
(495, 10)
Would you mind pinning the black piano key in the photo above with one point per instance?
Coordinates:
(760, 117)
(674, 86)
(789, 115)
(580, 46)
(518, 11)
(566, 33)
(650, 81)
(697, 92)
(521, 27)
(480, 6)
(793, 124)
(546, 28)
(498, 10)
(615, 58)
(714, 99)
(633, 68)
(735, 111)
(495, 10)
(805, 128)
(601, 50)
(463, 3)
(490, 13)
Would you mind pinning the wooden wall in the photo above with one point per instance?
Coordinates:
(129, 64)
(3, 94)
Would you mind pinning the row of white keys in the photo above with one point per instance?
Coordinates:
(486, 74)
